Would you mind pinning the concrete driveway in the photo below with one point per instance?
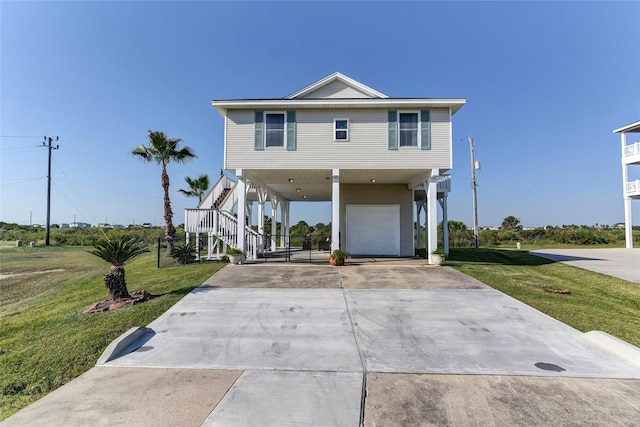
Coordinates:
(290, 345)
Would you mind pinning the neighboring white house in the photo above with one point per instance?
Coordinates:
(334, 140)
(79, 225)
(630, 189)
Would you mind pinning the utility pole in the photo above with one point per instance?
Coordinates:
(50, 147)
(475, 198)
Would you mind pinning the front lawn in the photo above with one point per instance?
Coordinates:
(45, 340)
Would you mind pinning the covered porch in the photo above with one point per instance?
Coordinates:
(373, 204)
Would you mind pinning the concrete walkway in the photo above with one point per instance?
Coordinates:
(616, 262)
(369, 344)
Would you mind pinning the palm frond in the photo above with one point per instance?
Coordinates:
(142, 152)
(184, 154)
(197, 186)
(119, 251)
(163, 149)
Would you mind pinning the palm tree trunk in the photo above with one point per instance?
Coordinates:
(170, 230)
(115, 282)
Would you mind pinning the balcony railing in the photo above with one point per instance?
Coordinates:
(631, 149)
(224, 226)
(444, 184)
(632, 187)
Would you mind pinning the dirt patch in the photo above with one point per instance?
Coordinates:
(6, 276)
(541, 286)
(113, 304)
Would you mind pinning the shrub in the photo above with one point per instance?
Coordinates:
(339, 253)
(184, 253)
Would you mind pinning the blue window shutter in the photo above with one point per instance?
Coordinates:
(258, 143)
(425, 130)
(393, 130)
(291, 130)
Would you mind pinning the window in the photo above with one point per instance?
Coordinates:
(274, 135)
(408, 129)
(341, 129)
(274, 129)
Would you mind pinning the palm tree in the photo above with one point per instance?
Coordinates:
(117, 252)
(164, 150)
(197, 186)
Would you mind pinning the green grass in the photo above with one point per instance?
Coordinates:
(595, 301)
(45, 341)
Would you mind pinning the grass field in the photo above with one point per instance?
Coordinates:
(45, 341)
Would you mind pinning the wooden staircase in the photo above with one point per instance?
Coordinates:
(215, 217)
(220, 199)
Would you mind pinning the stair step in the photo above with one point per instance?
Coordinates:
(221, 198)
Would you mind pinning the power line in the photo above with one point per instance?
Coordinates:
(97, 188)
(103, 158)
(21, 136)
(120, 192)
(76, 191)
(70, 202)
(16, 181)
(20, 150)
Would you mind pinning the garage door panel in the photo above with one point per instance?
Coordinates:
(373, 229)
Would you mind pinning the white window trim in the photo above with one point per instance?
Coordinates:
(335, 130)
(284, 134)
(419, 138)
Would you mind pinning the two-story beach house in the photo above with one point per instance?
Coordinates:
(630, 189)
(372, 156)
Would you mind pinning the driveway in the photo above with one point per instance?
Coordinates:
(285, 345)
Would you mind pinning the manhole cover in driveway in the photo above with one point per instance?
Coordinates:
(549, 367)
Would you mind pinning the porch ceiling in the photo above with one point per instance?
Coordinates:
(315, 184)
(632, 127)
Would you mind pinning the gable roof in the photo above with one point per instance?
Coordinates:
(307, 91)
(337, 91)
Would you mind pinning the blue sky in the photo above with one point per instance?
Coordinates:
(545, 82)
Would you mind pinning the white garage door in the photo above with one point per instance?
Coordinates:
(373, 229)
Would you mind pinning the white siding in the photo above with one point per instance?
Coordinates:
(336, 89)
(367, 146)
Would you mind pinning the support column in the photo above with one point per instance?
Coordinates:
(418, 226)
(628, 237)
(262, 197)
(186, 226)
(432, 213)
(628, 217)
(284, 226)
(274, 222)
(249, 218)
(426, 221)
(283, 222)
(335, 210)
(241, 188)
(210, 246)
(445, 223)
